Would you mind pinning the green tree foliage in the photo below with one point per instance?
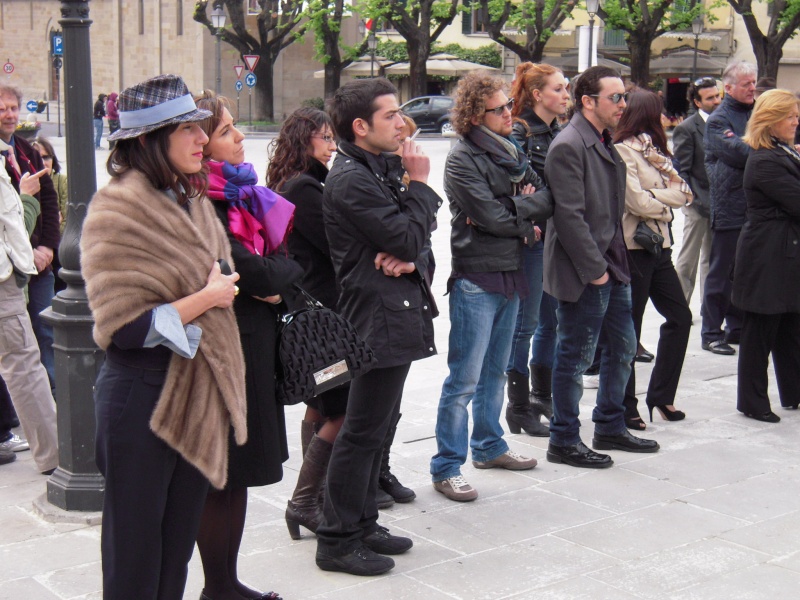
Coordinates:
(487, 55)
(535, 20)
(782, 26)
(277, 26)
(420, 22)
(643, 22)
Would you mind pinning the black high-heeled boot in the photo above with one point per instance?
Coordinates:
(519, 412)
(542, 390)
(386, 479)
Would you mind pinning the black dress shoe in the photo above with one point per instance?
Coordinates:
(623, 441)
(361, 561)
(767, 417)
(642, 355)
(719, 347)
(383, 542)
(578, 456)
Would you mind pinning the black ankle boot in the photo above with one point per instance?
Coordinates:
(542, 390)
(386, 479)
(519, 412)
(304, 508)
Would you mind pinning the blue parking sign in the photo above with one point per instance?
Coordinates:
(58, 44)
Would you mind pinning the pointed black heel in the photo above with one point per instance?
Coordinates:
(666, 414)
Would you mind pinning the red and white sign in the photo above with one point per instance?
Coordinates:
(251, 60)
(238, 69)
(8, 68)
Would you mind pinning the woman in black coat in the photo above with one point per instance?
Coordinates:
(766, 284)
(297, 169)
(267, 274)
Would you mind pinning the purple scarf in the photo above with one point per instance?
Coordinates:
(258, 217)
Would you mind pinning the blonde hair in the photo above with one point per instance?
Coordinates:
(771, 108)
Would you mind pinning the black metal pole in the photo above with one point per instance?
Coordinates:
(76, 484)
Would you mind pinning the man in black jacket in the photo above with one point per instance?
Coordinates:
(690, 153)
(726, 156)
(378, 231)
(493, 198)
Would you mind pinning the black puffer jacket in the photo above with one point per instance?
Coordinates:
(726, 156)
(365, 214)
(500, 218)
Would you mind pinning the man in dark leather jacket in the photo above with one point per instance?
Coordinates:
(726, 155)
(378, 231)
(495, 196)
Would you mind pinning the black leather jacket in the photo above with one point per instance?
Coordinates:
(535, 139)
(500, 217)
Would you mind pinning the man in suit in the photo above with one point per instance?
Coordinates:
(586, 269)
(687, 140)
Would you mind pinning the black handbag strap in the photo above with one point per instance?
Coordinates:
(311, 303)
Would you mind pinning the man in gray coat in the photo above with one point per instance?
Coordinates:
(586, 269)
(690, 153)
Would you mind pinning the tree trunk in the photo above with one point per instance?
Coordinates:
(771, 62)
(265, 96)
(640, 60)
(333, 75)
(418, 72)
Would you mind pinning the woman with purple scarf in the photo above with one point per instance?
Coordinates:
(258, 222)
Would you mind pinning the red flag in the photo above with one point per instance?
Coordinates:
(369, 24)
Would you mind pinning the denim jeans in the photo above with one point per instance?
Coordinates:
(98, 132)
(601, 315)
(40, 297)
(481, 326)
(528, 313)
(543, 350)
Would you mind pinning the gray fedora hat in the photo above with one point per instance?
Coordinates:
(153, 104)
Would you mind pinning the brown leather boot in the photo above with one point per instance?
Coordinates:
(304, 507)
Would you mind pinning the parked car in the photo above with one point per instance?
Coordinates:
(430, 113)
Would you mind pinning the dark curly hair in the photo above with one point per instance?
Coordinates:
(470, 98)
(288, 153)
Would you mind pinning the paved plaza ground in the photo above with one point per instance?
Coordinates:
(713, 515)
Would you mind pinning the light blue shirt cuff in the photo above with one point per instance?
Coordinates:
(167, 330)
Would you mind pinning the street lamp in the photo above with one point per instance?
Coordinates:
(218, 21)
(697, 29)
(591, 8)
(372, 44)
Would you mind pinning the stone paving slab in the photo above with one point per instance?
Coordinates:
(713, 515)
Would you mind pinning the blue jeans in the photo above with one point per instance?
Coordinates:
(601, 315)
(98, 132)
(40, 294)
(481, 326)
(543, 350)
(528, 313)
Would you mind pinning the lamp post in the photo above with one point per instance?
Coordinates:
(218, 19)
(372, 44)
(76, 484)
(697, 29)
(591, 8)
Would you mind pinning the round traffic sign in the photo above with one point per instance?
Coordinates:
(57, 63)
(32, 105)
(250, 80)
(239, 86)
(8, 68)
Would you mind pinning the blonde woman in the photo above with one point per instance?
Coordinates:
(766, 283)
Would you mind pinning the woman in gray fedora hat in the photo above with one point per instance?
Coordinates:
(172, 384)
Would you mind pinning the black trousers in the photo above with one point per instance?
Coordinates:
(654, 278)
(153, 497)
(350, 510)
(717, 306)
(763, 335)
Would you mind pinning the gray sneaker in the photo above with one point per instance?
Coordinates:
(456, 488)
(16, 444)
(510, 460)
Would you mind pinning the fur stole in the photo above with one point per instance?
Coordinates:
(140, 249)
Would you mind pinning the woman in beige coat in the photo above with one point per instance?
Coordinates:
(653, 189)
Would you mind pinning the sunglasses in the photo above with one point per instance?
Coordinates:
(499, 110)
(615, 98)
(705, 82)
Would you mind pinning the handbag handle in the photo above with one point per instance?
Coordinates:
(311, 302)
